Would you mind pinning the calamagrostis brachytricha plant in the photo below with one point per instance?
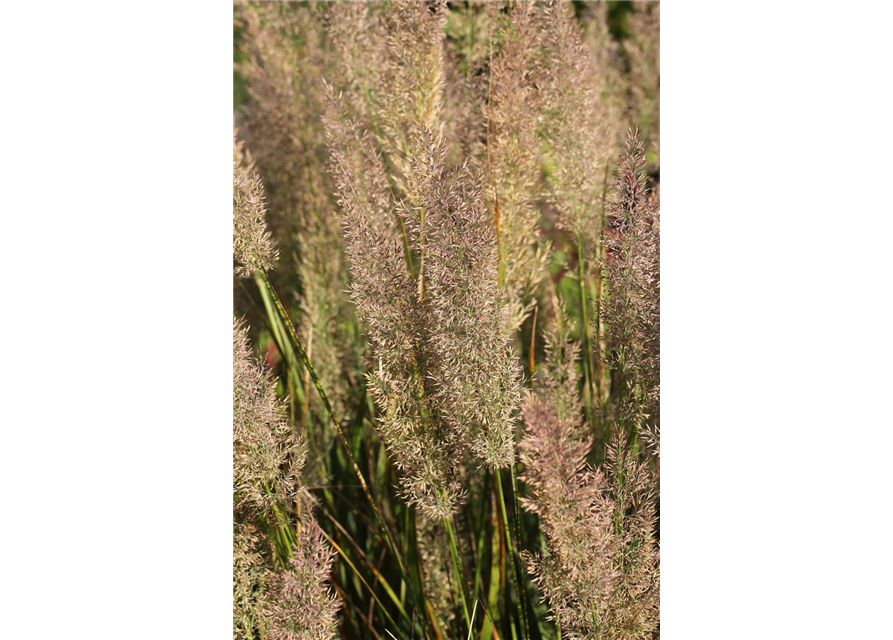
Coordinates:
(357, 33)
(263, 443)
(388, 307)
(441, 267)
(249, 578)
(632, 311)
(277, 120)
(574, 128)
(598, 570)
(574, 572)
(612, 82)
(634, 611)
(477, 376)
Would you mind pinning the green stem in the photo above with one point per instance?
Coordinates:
(356, 572)
(497, 571)
(511, 554)
(283, 535)
(517, 521)
(282, 343)
(479, 563)
(457, 569)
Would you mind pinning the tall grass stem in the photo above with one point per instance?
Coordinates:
(511, 557)
(457, 568)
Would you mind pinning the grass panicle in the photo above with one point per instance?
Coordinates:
(514, 163)
(632, 312)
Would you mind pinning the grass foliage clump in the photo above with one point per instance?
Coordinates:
(446, 341)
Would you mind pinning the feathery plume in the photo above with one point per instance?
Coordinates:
(358, 36)
(634, 610)
(253, 248)
(575, 571)
(632, 312)
(285, 63)
(249, 574)
(573, 122)
(269, 116)
(576, 142)
(611, 79)
(478, 379)
(643, 50)
(389, 309)
(514, 162)
(300, 604)
(413, 82)
(263, 443)
(411, 93)
(443, 372)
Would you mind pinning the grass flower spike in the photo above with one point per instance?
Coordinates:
(632, 311)
(477, 377)
(387, 303)
(300, 604)
(514, 162)
(253, 247)
(263, 444)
